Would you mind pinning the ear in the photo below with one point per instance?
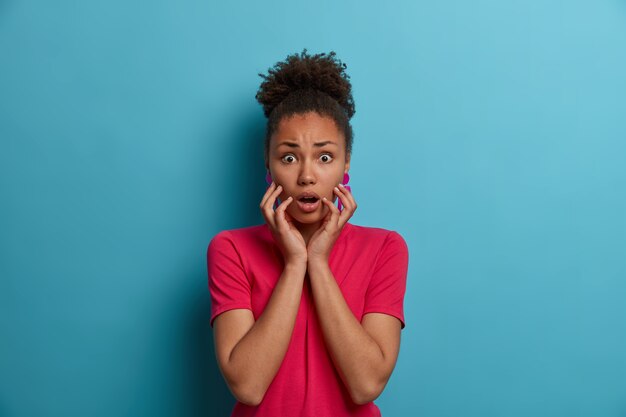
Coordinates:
(347, 165)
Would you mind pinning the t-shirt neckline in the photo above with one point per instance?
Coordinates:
(347, 228)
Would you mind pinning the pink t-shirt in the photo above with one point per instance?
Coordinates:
(370, 266)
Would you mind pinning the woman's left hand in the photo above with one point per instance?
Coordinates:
(324, 238)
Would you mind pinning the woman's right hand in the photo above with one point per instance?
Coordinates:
(287, 236)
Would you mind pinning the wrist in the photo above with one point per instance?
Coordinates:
(317, 262)
(296, 263)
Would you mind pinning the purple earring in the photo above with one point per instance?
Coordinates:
(268, 181)
(346, 179)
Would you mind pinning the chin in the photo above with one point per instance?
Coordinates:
(308, 218)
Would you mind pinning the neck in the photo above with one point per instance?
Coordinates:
(307, 230)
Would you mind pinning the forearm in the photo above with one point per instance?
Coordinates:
(356, 355)
(256, 358)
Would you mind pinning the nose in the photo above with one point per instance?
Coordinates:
(306, 175)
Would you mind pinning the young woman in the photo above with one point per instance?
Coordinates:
(307, 308)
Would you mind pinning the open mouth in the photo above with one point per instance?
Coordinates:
(308, 202)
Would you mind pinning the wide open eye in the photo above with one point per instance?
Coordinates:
(288, 158)
(326, 158)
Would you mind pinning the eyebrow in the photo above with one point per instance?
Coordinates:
(317, 144)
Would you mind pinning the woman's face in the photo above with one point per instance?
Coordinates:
(307, 156)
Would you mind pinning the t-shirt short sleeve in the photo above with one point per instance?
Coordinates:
(387, 287)
(228, 284)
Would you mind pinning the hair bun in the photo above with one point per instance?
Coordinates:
(322, 72)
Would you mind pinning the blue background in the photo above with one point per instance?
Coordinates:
(490, 134)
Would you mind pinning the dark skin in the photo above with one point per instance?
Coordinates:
(297, 162)
(307, 153)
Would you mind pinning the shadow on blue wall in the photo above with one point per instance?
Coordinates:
(208, 394)
(239, 173)
(239, 168)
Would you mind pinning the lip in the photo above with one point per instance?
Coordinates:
(308, 207)
(307, 194)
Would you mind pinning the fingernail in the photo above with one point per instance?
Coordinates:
(341, 185)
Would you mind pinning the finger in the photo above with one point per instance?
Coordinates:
(327, 216)
(288, 218)
(269, 202)
(342, 196)
(269, 218)
(268, 207)
(334, 211)
(349, 195)
(281, 220)
(349, 206)
(268, 193)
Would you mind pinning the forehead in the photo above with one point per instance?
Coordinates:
(307, 127)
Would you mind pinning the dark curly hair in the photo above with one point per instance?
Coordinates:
(304, 83)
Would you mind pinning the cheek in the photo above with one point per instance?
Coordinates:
(284, 181)
(336, 179)
(278, 175)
